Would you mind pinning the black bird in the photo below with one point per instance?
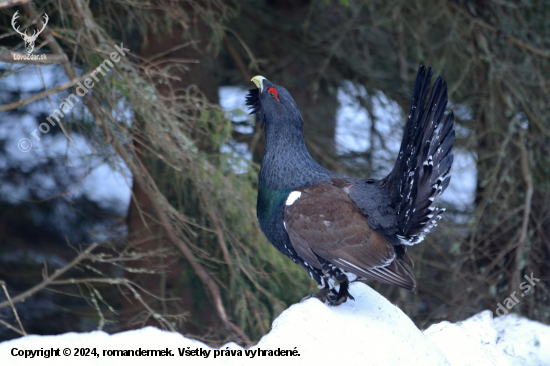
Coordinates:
(350, 229)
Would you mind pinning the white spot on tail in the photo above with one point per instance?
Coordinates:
(292, 197)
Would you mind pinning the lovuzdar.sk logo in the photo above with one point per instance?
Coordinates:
(29, 40)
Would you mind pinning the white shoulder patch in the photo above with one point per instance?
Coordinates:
(292, 197)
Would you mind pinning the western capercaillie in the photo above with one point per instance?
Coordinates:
(349, 229)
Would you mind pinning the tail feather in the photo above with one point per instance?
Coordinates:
(421, 172)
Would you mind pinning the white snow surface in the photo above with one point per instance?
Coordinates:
(367, 331)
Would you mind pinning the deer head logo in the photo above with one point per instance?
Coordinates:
(29, 40)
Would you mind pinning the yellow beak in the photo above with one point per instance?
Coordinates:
(258, 80)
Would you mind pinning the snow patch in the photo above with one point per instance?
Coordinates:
(367, 331)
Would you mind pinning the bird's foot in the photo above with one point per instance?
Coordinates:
(323, 295)
(342, 295)
(331, 296)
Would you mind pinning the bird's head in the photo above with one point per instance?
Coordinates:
(273, 105)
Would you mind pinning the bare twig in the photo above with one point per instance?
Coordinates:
(205, 277)
(9, 3)
(119, 281)
(526, 171)
(25, 295)
(313, 146)
(255, 312)
(183, 244)
(44, 94)
(497, 31)
(528, 192)
(171, 49)
(254, 63)
(236, 59)
(343, 33)
(54, 46)
(13, 307)
(11, 327)
(219, 233)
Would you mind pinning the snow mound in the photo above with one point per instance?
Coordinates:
(367, 331)
(523, 340)
(470, 342)
(482, 340)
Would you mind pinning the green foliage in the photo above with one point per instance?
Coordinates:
(341, 2)
(210, 195)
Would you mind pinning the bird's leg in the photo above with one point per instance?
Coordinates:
(342, 295)
(332, 297)
(323, 295)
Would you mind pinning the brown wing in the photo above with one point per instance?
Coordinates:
(324, 221)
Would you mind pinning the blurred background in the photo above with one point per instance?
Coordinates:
(138, 207)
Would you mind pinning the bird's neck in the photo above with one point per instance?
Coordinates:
(286, 163)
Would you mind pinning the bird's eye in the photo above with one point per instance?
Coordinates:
(273, 93)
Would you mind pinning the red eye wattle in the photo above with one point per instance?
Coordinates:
(273, 93)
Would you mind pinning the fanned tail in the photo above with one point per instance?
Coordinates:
(421, 172)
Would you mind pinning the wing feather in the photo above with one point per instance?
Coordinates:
(325, 223)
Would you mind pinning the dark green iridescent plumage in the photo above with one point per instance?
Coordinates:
(269, 200)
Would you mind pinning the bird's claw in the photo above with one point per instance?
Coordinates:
(331, 297)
